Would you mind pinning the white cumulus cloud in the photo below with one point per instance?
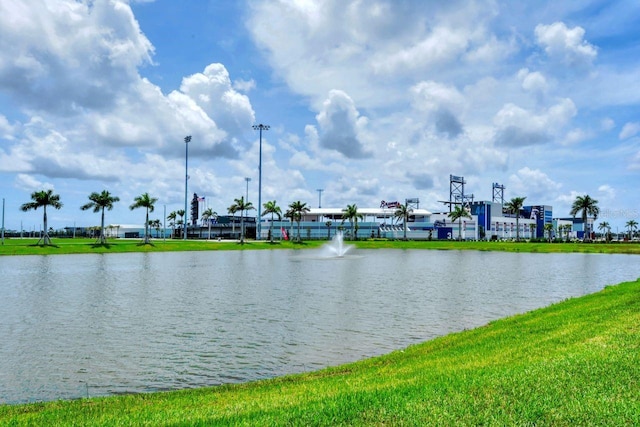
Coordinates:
(65, 56)
(212, 91)
(340, 126)
(566, 45)
(532, 81)
(442, 103)
(516, 126)
(533, 184)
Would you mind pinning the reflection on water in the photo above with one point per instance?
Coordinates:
(78, 325)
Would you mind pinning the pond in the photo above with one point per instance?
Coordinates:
(93, 325)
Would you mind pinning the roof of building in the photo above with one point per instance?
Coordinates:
(377, 212)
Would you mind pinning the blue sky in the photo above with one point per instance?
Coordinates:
(369, 101)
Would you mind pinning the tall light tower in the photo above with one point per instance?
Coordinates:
(246, 199)
(187, 139)
(320, 190)
(261, 128)
(247, 193)
(3, 220)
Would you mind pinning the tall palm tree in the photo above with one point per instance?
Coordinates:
(207, 215)
(457, 214)
(241, 206)
(328, 224)
(403, 212)
(605, 226)
(291, 216)
(351, 214)
(271, 207)
(587, 206)
(548, 227)
(172, 222)
(232, 210)
(632, 226)
(532, 227)
(567, 229)
(298, 209)
(147, 202)
(43, 199)
(181, 213)
(514, 206)
(99, 202)
(179, 228)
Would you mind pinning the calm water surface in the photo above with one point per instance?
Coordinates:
(78, 325)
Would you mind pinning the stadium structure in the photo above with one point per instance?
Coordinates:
(489, 220)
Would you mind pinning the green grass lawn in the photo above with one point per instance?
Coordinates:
(76, 246)
(573, 363)
(82, 246)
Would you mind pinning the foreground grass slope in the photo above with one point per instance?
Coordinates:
(573, 363)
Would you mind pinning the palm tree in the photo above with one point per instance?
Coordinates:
(180, 222)
(291, 216)
(587, 206)
(271, 207)
(147, 202)
(403, 212)
(548, 227)
(179, 228)
(99, 202)
(605, 226)
(532, 227)
(632, 226)
(297, 210)
(458, 213)
(567, 229)
(241, 206)
(155, 224)
(207, 215)
(43, 199)
(172, 222)
(328, 224)
(514, 206)
(232, 210)
(351, 214)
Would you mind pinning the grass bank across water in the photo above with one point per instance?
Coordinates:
(82, 246)
(573, 363)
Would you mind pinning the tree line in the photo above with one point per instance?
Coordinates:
(99, 202)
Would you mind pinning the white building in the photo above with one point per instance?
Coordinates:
(487, 222)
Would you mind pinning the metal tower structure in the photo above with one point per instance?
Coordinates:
(498, 193)
(456, 192)
(412, 203)
(195, 210)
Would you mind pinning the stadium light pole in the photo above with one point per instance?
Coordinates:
(246, 199)
(260, 128)
(247, 193)
(320, 190)
(187, 139)
(3, 220)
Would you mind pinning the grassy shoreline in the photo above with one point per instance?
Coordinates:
(84, 246)
(574, 362)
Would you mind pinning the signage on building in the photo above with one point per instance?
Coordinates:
(390, 205)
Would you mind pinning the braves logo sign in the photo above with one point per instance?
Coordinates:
(389, 205)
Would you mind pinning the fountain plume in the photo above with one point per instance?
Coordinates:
(336, 248)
